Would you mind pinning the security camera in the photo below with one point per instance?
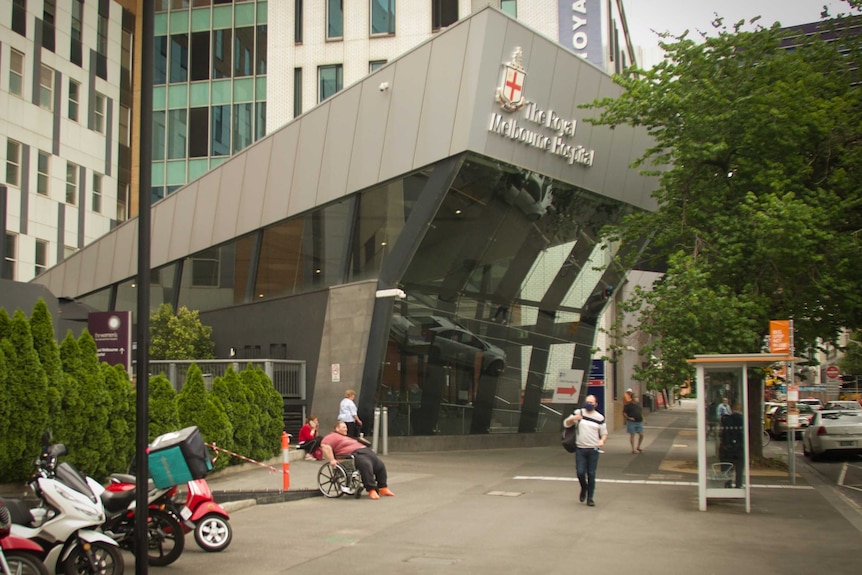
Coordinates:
(383, 86)
(393, 293)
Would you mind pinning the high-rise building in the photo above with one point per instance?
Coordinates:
(65, 110)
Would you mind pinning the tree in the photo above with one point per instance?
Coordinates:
(232, 393)
(26, 392)
(180, 336)
(759, 201)
(162, 407)
(196, 407)
(760, 191)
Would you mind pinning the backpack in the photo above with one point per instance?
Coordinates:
(569, 437)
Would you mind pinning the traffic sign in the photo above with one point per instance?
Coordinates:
(833, 373)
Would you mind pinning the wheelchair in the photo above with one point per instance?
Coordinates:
(343, 479)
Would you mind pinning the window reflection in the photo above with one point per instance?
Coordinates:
(217, 277)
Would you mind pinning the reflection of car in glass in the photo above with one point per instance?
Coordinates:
(852, 405)
(779, 419)
(833, 431)
(459, 346)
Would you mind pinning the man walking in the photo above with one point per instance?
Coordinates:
(634, 421)
(592, 434)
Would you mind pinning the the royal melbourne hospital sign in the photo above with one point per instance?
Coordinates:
(533, 126)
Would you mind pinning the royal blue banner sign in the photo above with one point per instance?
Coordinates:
(581, 29)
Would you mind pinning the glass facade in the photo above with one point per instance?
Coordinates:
(209, 99)
(504, 288)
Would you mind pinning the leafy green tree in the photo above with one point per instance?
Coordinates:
(26, 391)
(231, 391)
(180, 335)
(257, 395)
(162, 407)
(86, 432)
(121, 417)
(274, 406)
(42, 327)
(759, 201)
(196, 407)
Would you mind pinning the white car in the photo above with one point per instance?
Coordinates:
(833, 431)
(843, 405)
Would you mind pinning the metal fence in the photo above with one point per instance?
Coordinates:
(288, 376)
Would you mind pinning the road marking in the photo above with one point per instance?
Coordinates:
(651, 482)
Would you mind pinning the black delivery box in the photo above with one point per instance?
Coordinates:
(178, 457)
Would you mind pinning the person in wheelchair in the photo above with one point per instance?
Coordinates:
(371, 468)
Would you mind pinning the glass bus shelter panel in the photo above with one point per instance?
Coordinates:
(725, 431)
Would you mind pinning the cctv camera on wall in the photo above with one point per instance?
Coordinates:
(383, 86)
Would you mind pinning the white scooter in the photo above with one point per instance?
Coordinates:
(65, 524)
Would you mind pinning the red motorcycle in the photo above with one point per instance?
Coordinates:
(198, 513)
(18, 556)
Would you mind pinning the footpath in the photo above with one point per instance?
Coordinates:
(516, 510)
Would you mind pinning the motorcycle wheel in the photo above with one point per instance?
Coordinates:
(106, 560)
(213, 533)
(23, 563)
(165, 538)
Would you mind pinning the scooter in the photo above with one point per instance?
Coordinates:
(64, 525)
(18, 556)
(198, 513)
(165, 535)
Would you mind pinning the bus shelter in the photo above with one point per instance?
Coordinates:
(723, 459)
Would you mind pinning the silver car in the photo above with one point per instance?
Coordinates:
(833, 431)
(779, 420)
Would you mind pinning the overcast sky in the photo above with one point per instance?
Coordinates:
(676, 16)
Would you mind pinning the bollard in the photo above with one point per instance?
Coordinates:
(285, 460)
(384, 432)
(375, 440)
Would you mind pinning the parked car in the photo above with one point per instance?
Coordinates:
(833, 431)
(854, 405)
(812, 401)
(779, 419)
(460, 347)
(769, 410)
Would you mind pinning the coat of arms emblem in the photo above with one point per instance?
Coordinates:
(510, 94)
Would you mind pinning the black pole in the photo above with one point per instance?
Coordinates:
(143, 333)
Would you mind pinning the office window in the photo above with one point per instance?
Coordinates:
(243, 52)
(159, 132)
(260, 51)
(49, 10)
(13, 163)
(220, 122)
(222, 42)
(97, 193)
(16, 72)
(122, 203)
(43, 167)
(41, 256)
(71, 183)
(259, 120)
(509, 7)
(46, 88)
(330, 81)
(179, 58)
(125, 119)
(375, 64)
(242, 126)
(199, 54)
(10, 258)
(99, 113)
(334, 19)
(160, 60)
(443, 13)
(382, 17)
(297, 21)
(102, 39)
(177, 134)
(77, 46)
(297, 92)
(74, 99)
(19, 17)
(199, 125)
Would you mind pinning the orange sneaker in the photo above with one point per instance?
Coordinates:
(372, 494)
(386, 491)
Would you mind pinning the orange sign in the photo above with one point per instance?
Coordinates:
(779, 336)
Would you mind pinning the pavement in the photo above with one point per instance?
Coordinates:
(500, 511)
(516, 510)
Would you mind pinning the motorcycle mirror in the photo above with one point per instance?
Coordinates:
(46, 437)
